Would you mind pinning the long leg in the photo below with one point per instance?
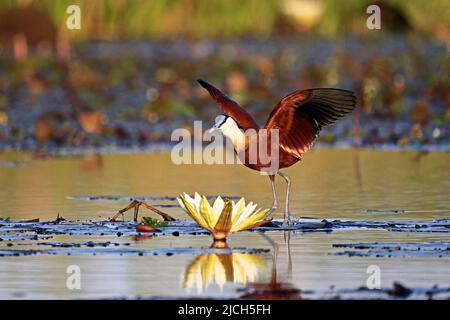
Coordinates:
(274, 194)
(135, 204)
(287, 240)
(274, 257)
(287, 213)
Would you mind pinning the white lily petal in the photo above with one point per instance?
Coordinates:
(246, 213)
(218, 207)
(250, 210)
(207, 212)
(197, 201)
(182, 204)
(188, 199)
(238, 208)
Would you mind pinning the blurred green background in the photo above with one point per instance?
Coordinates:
(124, 19)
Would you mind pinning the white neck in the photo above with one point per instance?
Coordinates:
(231, 130)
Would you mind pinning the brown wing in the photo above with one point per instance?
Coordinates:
(300, 115)
(230, 107)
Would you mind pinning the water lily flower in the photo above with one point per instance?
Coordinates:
(224, 216)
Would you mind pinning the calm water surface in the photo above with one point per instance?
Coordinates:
(331, 184)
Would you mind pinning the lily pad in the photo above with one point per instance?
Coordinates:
(396, 249)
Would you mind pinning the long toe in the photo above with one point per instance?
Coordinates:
(288, 224)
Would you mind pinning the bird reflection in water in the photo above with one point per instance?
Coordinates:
(274, 289)
(242, 268)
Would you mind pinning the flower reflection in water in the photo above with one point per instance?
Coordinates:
(218, 269)
(246, 269)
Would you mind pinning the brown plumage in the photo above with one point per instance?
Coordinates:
(301, 114)
(298, 117)
(230, 107)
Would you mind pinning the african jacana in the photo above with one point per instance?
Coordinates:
(299, 117)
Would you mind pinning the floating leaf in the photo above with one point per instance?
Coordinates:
(155, 223)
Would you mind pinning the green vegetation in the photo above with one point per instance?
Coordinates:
(155, 223)
(117, 19)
